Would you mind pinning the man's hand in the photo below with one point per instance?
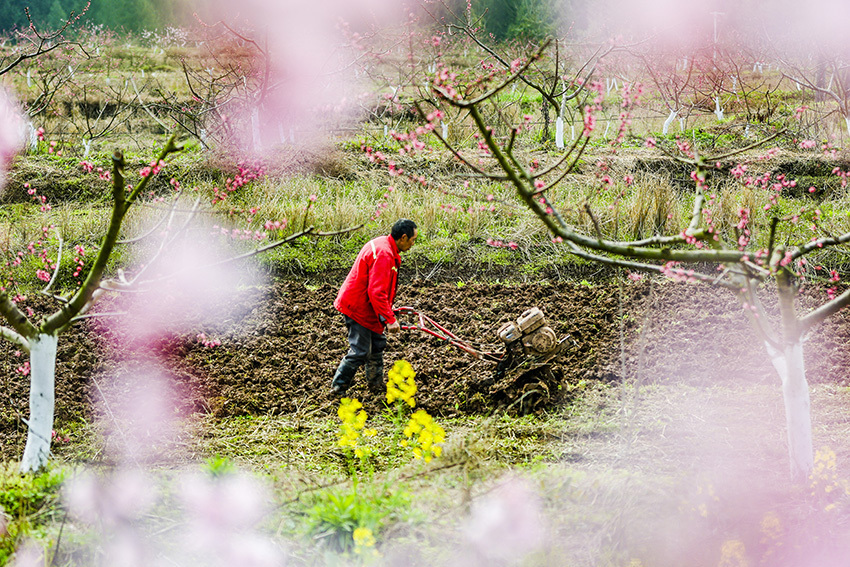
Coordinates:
(394, 327)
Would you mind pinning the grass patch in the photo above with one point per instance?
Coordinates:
(658, 476)
(29, 507)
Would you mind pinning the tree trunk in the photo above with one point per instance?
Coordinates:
(792, 370)
(559, 133)
(545, 110)
(665, 129)
(42, 379)
(798, 418)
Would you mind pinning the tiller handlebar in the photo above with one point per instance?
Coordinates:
(431, 327)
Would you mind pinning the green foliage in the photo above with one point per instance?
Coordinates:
(708, 139)
(518, 19)
(333, 515)
(127, 15)
(46, 14)
(310, 255)
(218, 466)
(27, 503)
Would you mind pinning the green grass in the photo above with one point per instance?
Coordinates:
(29, 507)
(663, 474)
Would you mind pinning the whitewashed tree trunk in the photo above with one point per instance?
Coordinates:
(847, 123)
(559, 122)
(255, 129)
(666, 128)
(42, 381)
(798, 417)
(559, 133)
(718, 112)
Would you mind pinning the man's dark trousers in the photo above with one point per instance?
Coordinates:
(366, 347)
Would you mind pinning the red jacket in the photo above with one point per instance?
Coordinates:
(369, 289)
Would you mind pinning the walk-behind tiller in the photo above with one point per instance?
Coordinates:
(529, 347)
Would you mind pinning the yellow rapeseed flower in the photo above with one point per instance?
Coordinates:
(771, 528)
(400, 383)
(363, 537)
(353, 421)
(424, 435)
(733, 553)
(364, 543)
(823, 480)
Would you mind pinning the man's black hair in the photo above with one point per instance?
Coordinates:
(403, 226)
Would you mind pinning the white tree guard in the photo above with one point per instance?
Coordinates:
(42, 384)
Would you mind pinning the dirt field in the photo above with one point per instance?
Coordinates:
(280, 344)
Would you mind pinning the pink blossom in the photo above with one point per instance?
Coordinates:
(11, 130)
(589, 121)
(42, 275)
(125, 496)
(207, 342)
(738, 171)
(508, 523)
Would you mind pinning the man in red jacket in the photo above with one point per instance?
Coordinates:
(366, 302)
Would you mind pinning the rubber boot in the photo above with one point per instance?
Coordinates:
(375, 376)
(342, 378)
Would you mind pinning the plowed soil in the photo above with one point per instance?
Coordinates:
(281, 343)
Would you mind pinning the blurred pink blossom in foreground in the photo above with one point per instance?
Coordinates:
(11, 132)
(310, 71)
(221, 515)
(142, 408)
(507, 524)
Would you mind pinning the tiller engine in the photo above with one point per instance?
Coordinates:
(528, 344)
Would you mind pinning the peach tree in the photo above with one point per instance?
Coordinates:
(757, 256)
(39, 337)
